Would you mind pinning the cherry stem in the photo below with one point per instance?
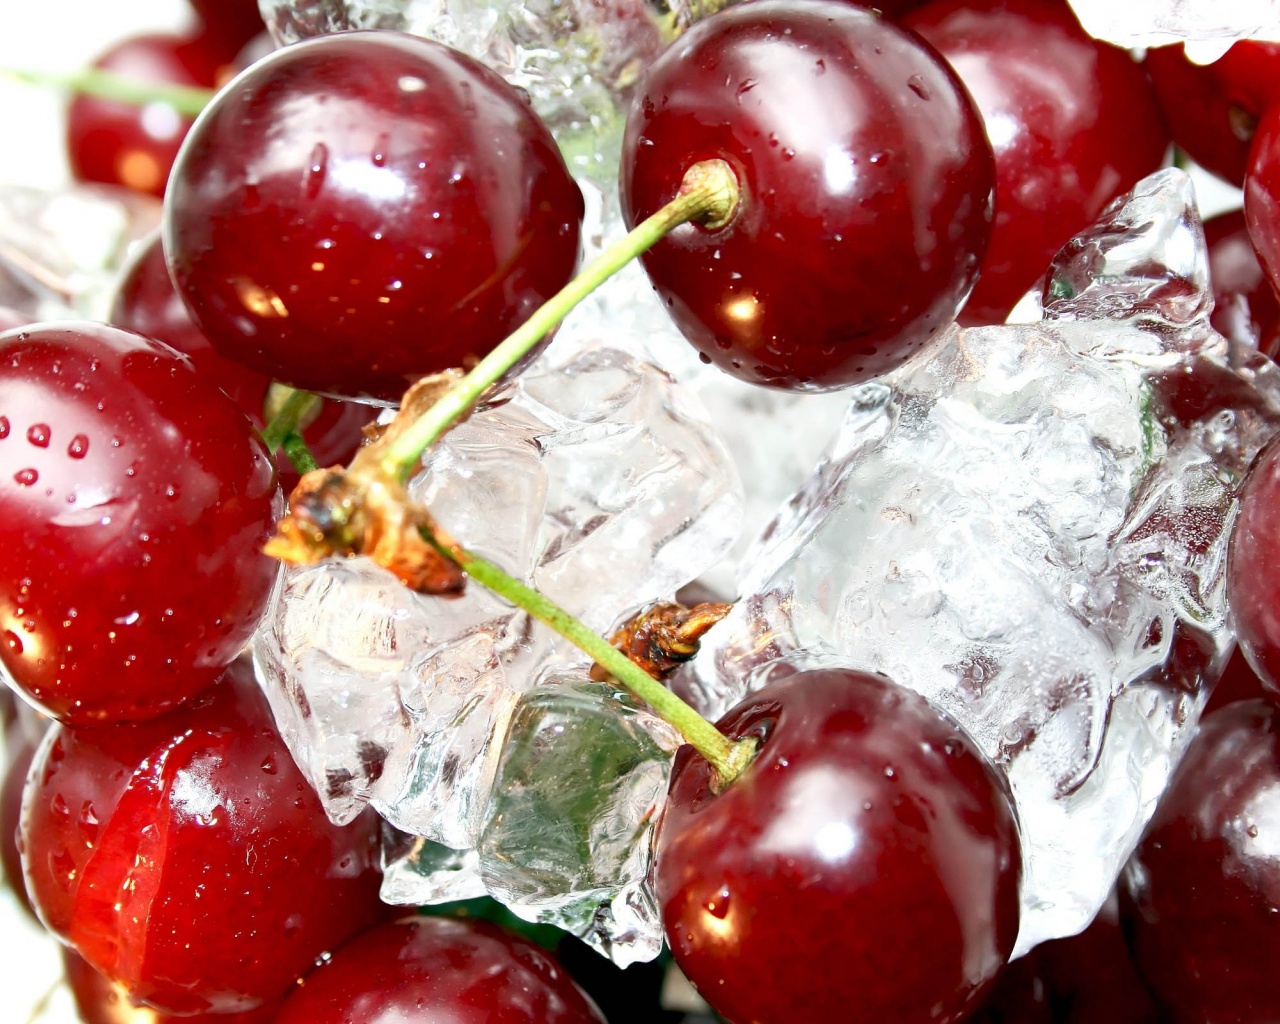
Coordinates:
(188, 100)
(728, 757)
(289, 413)
(708, 194)
(295, 448)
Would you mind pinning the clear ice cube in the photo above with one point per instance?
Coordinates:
(596, 480)
(1028, 525)
(568, 838)
(1209, 29)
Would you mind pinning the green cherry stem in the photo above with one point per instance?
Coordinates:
(185, 99)
(708, 194)
(728, 757)
(295, 448)
(297, 406)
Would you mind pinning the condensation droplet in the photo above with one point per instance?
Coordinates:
(26, 477)
(4, 427)
(79, 447)
(916, 84)
(313, 180)
(38, 434)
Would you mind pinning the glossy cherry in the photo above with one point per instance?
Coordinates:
(231, 23)
(145, 301)
(18, 751)
(1245, 306)
(866, 184)
(1253, 583)
(1212, 109)
(439, 969)
(134, 502)
(365, 208)
(188, 858)
(131, 145)
(1262, 194)
(1200, 897)
(1072, 121)
(864, 867)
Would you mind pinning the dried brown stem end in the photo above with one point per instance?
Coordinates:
(664, 636)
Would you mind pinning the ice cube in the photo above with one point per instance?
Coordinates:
(1209, 29)
(1028, 525)
(598, 481)
(568, 839)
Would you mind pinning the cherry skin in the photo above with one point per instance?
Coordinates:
(1262, 194)
(1245, 307)
(131, 145)
(134, 502)
(1212, 109)
(365, 208)
(18, 753)
(435, 968)
(864, 867)
(188, 858)
(1200, 898)
(1253, 583)
(231, 23)
(1072, 121)
(866, 184)
(145, 301)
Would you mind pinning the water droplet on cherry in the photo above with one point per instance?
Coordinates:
(78, 448)
(38, 435)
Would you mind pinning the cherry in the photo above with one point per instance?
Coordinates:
(864, 867)
(865, 182)
(365, 208)
(187, 857)
(1212, 109)
(100, 1001)
(18, 751)
(1245, 307)
(126, 144)
(1262, 194)
(1200, 898)
(1072, 121)
(135, 499)
(145, 301)
(232, 23)
(1253, 585)
(1238, 682)
(436, 968)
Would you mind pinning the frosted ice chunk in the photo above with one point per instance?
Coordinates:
(596, 480)
(1028, 525)
(568, 839)
(1208, 28)
(418, 872)
(60, 251)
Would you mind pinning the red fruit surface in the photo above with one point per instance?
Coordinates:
(1245, 307)
(366, 208)
(1253, 582)
(134, 502)
(145, 301)
(449, 970)
(18, 752)
(232, 23)
(1212, 110)
(1262, 194)
(1200, 898)
(864, 867)
(99, 1001)
(866, 184)
(130, 144)
(188, 859)
(1073, 123)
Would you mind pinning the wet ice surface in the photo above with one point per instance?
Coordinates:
(1028, 525)
(60, 250)
(1208, 28)
(598, 481)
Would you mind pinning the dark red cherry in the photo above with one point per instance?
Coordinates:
(1019, 996)
(232, 24)
(1212, 109)
(18, 751)
(365, 208)
(1245, 307)
(100, 1001)
(439, 969)
(866, 184)
(1253, 560)
(128, 144)
(1200, 898)
(189, 859)
(1262, 194)
(1238, 682)
(145, 301)
(864, 867)
(1072, 121)
(134, 502)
